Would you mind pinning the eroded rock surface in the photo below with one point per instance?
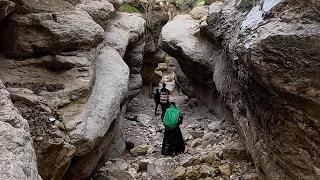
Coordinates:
(264, 69)
(17, 156)
(44, 33)
(180, 39)
(94, 133)
(73, 100)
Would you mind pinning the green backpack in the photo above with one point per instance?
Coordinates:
(171, 117)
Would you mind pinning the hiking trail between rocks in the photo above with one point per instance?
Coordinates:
(213, 147)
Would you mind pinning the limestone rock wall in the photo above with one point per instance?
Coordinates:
(261, 63)
(64, 64)
(17, 156)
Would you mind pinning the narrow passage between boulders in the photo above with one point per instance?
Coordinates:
(213, 147)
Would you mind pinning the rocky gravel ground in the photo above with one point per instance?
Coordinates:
(213, 147)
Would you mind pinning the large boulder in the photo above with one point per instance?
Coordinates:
(17, 156)
(49, 6)
(99, 10)
(156, 77)
(264, 68)
(153, 54)
(124, 33)
(182, 81)
(122, 29)
(135, 84)
(44, 33)
(150, 63)
(179, 39)
(134, 55)
(93, 134)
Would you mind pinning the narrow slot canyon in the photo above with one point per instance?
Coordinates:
(78, 80)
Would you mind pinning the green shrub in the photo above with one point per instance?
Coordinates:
(128, 8)
(197, 3)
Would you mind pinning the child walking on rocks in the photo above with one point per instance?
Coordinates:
(156, 98)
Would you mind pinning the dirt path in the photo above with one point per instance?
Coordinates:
(213, 147)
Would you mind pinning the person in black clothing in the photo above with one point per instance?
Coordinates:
(173, 143)
(156, 98)
(164, 99)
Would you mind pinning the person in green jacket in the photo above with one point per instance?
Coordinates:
(173, 143)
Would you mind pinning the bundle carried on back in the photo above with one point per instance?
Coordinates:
(171, 117)
(164, 97)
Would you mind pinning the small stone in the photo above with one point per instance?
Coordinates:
(46, 108)
(190, 161)
(135, 166)
(208, 136)
(199, 12)
(235, 151)
(108, 163)
(118, 163)
(164, 165)
(225, 170)
(219, 178)
(144, 119)
(123, 166)
(215, 164)
(58, 134)
(214, 126)
(220, 154)
(193, 102)
(208, 178)
(59, 124)
(195, 143)
(138, 176)
(206, 171)
(139, 150)
(206, 144)
(156, 77)
(132, 172)
(144, 163)
(160, 128)
(144, 176)
(129, 145)
(189, 137)
(197, 134)
(39, 139)
(251, 176)
(193, 172)
(180, 173)
(54, 127)
(162, 67)
(209, 157)
(192, 126)
(120, 174)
